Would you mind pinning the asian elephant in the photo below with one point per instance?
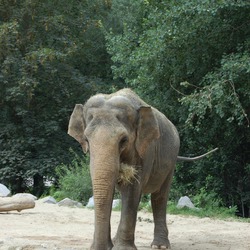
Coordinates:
(118, 129)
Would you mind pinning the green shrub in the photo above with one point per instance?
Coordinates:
(206, 199)
(74, 180)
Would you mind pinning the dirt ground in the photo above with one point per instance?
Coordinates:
(52, 227)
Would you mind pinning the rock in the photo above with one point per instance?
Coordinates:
(16, 203)
(69, 203)
(25, 195)
(4, 191)
(185, 202)
(48, 199)
(91, 203)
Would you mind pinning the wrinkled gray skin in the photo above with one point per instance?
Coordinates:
(121, 128)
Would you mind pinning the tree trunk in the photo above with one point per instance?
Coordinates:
(38, 186)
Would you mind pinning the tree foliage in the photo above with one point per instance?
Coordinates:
(190, 59)
(51, 57)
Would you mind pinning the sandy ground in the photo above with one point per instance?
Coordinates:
(49, 226)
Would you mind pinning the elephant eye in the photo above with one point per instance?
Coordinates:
(123, 142)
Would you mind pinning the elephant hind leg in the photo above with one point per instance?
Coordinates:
(161, 240)
(159, 207)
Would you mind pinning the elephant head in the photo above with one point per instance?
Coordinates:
(115, 129)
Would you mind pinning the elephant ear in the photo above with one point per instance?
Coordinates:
(147, 131)
(77, 126)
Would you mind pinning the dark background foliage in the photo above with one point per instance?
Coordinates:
(190, 59)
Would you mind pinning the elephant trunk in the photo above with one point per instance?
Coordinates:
(104, 167)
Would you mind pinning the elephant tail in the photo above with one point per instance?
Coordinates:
(182, 158)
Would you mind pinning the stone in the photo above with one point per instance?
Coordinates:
(48, 199)
(185, 202)
(69, 203)
(4, 191)
(116, 203)
(16, 203)
(90, 203)
(25, 195)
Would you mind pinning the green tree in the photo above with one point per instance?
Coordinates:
(190, 59)
(220, 111)
(52, 56)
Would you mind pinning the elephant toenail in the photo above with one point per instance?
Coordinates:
(154, 247)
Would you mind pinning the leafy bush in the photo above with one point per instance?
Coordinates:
(74, 180)
(204, 199)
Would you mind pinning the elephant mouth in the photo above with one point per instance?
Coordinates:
(127, 174)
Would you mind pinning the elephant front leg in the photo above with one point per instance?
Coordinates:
(109, 244)
(124, 239)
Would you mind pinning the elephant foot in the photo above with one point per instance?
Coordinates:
(124, 248)
(123, 245)
(160, 245)
(109, 247)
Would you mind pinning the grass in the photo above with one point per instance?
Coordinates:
(208, 211)
(214, 212)
(208, 205)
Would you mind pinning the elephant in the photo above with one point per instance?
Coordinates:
(117, 129)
